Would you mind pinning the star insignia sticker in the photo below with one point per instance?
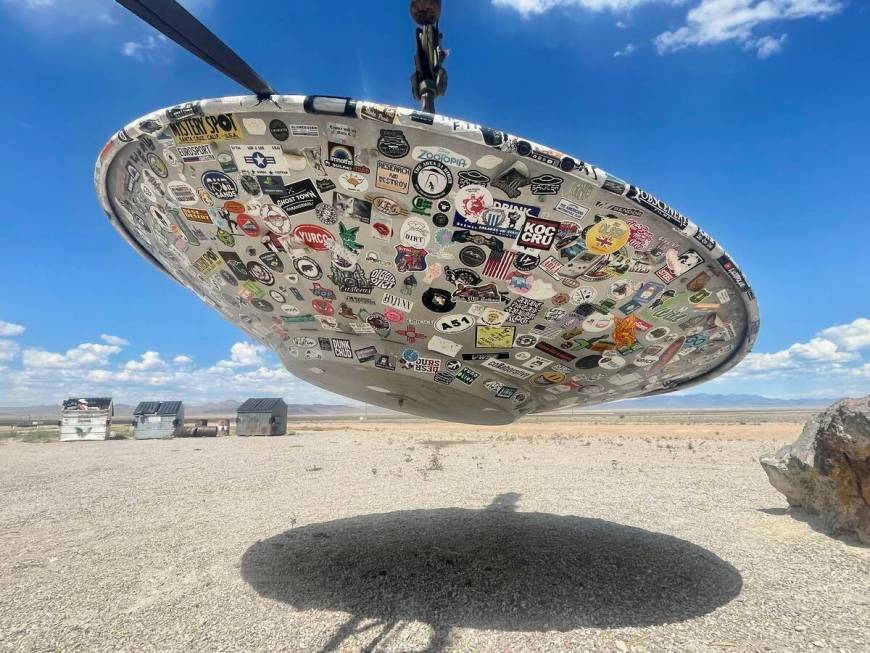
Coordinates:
(348, 237)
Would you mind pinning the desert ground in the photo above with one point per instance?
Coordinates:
(586, 532)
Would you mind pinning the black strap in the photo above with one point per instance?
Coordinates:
(173, 20)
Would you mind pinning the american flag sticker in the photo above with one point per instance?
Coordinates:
(498, 266)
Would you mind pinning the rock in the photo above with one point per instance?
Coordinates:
(827, 470)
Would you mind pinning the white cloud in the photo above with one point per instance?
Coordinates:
(707, 22)
(767, 46)
(244, 354)
(10, 329)
(182, 360)
(627, 50)
(114, 340)
(8, 350)
(532, 7)
(851, 337)
(718, 21)
(144, 49)
(149, 361)
(88, 354)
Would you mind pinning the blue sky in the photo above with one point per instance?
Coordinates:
(750, 117)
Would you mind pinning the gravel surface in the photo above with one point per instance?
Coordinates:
(421, 537)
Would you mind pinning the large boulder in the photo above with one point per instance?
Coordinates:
(827, 471)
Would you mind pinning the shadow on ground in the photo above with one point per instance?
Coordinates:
(493, 568)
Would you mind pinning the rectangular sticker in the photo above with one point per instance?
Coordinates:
(506, 369)
(260, 159)
(205, 129)
(492, 337)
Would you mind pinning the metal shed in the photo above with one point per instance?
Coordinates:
(86, 418)
(158, 419)
(262, 416)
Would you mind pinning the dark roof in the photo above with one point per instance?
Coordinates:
(261, 405)
(157, 408)
(146, 408)
(94, 402)
(169, 408)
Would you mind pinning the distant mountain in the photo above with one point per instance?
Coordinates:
(227, 408)
(712, 402)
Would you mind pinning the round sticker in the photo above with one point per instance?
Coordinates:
(522, 355)
(394, 315)
(526, 262)
(277, 296)
(314, 237)
(220, 185)
(261, 304)
(606, 236)
(454, 323)
(548, 378)
(438, 300)
(250, 185)
(440, 220)
(354, 181)
(432, 179)
(326, 213)
(275, 219)
(583, 294)
(156, 164)
(248, 225)
(657, 333)
(597, 323)
(472, 256)
(415, 233)
(613, 362)
(473, 201)
(453, 365)
(526, 340)
(410, 355)
(308, 268)
(260, 272)
(278, 130)
(323, 307)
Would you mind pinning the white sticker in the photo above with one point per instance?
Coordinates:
(255, 126)
(443, 346)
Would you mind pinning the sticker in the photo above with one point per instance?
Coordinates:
(341, 348)
(506, 369)
(308, 268)
(472, 256)
(220, 185)
(183, 193)
(205, 129)
(467, 376)
(571, 209)
(298, 197)
(537, 233)
(438, 300)
(393, 144)
(399, 303)
(432, 179)
(279, 130)
(493, 337)
(440, 155)
(454, 323)
(309, 131)
(260, 159)
(254, 126)
(545, 184)
(472, 177)
(415, 232)
(443, 346)
(195, 153)
(314, 237)
(354, 181)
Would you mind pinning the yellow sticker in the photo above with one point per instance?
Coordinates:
(205, 129)
(607, 236)
(490, 337)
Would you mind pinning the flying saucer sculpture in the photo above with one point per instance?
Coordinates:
(423, 263)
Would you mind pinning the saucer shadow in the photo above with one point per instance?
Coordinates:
(491, 569)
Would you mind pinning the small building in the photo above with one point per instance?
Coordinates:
(158, 419)
(87, 418)
(262, 417)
